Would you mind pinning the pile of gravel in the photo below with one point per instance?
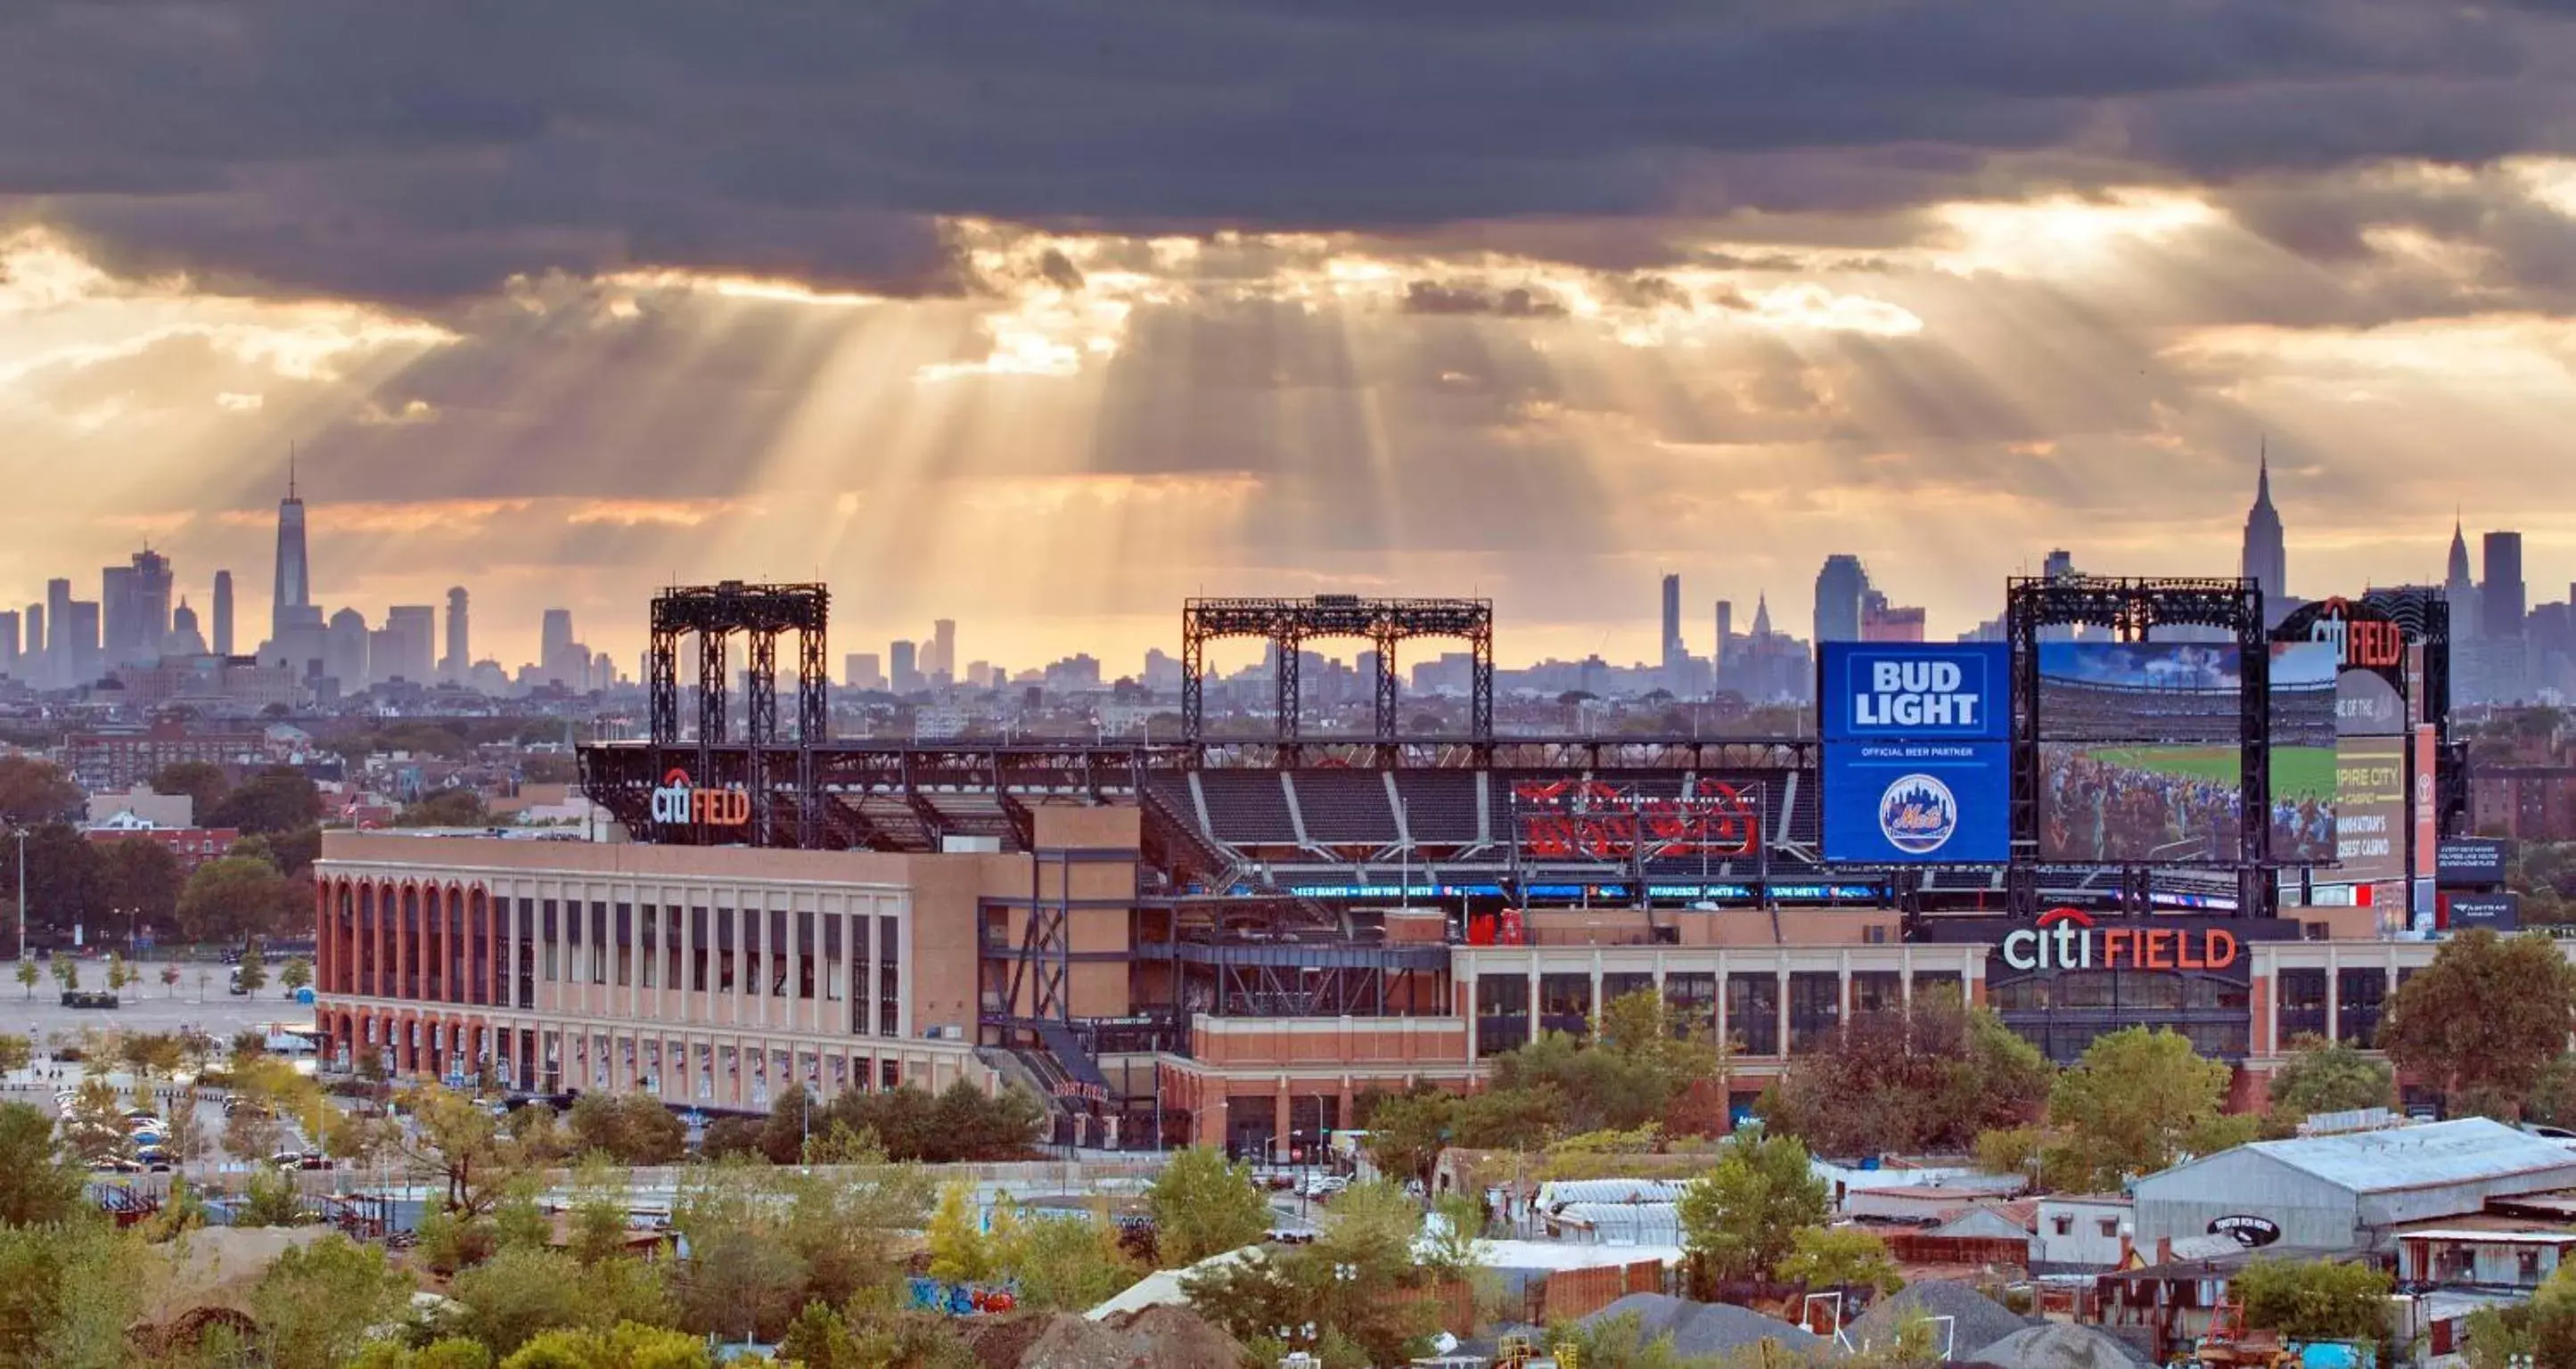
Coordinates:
(1978, 1319)
(2060, 1347)
(1706, 1329)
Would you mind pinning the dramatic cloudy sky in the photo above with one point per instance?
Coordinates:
(1044, 316)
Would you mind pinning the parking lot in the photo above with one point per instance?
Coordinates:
(197, 1002)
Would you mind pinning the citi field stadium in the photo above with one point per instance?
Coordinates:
(1229, 939)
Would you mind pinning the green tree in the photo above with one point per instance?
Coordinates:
(67, 973)
(204, 783)
(317, 1303)
(2553, 1318)
(278, 799)
(253, 970)
(517, 1294)
(635, 1129)
(28, 975)
(2323, 1076)
(1928, 1077)
(1070, 1263)
(1742, 1218)
(228, 898)
(117, 973)
(68, 1291)
(1640, 1058)
(139, 881)
(271, 1199)
(94, 1125)
(624, 1346)
(2135, 1101)
(16, 1052)
(1357, 1285)
(184, 1138)
(1840, 1257)
(454, 1138)
(1203, 1206)
(34, 791)
(295, 973)
(38, 1183)
(960, 1251)
(1407, 1131)
(2483, 1022)
(764, 1241)
(2315, 1300)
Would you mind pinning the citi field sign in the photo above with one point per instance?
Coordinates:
(2066, 939)
(677, 802)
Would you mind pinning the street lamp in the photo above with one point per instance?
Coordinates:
(22, 893)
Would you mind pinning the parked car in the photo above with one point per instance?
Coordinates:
(116, 1164)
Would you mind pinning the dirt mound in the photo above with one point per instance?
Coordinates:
(1177, 1338)
(1155, 1338)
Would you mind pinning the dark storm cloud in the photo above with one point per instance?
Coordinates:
(429, 151)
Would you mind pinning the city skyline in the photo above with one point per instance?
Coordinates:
(1684, 606)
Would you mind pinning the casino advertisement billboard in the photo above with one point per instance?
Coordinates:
(1917, 766)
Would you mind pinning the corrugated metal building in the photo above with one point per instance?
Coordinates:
(2345, 1192)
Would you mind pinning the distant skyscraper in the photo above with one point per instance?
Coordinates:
(1840, 587)
(902, 668)
(349, 650)
(223, 638)
(2459, 588)
(558, 657)
(134, 602)
(460, 654)
(58, 629)
(120, 634)
(413, 629)
(294, 571)
(31, 654)
(2266, 558)
(9, 666)
(184, 638)
(1725, 629)
(2059, 565)
(2500, 595)
(603, 671)
(1675, 652)
(943, 649)
(82, 642)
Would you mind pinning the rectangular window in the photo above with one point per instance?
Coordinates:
(624, 941)
(889, 977)
(1690, 1001)
(805, 958)
(778, 966)
(889, 1075)
(553, 945)
(724, 949)
(1502, 1013)
(1940, 981)
(1565, 1004)
(1753, 1013)
(2110, 1227)
(1815, 1008)
(698, 950)
(599, 943)
(832, 958)
(2361, 995)
(862, 977)
(648, 957)
(2303, 1003)
(1877, 991)
(2065, 1225)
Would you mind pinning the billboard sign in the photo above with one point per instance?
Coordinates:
(2468, 862)
(1917, 803)
(2370, 809)
(2143, 692)
(1915, 692)
(2495, 912)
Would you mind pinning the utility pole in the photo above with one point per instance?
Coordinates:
(22, 893)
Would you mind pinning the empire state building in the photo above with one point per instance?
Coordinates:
(2266, 560)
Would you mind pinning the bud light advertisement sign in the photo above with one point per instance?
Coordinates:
(1871, 691)
(1917, 803)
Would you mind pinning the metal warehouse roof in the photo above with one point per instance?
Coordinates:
(2468, 1150)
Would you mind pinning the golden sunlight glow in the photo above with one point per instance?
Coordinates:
(2063, 235)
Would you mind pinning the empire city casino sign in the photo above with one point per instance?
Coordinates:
(677, 802)
(2066, 939)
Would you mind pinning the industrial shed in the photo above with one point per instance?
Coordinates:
(2345, 1192)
